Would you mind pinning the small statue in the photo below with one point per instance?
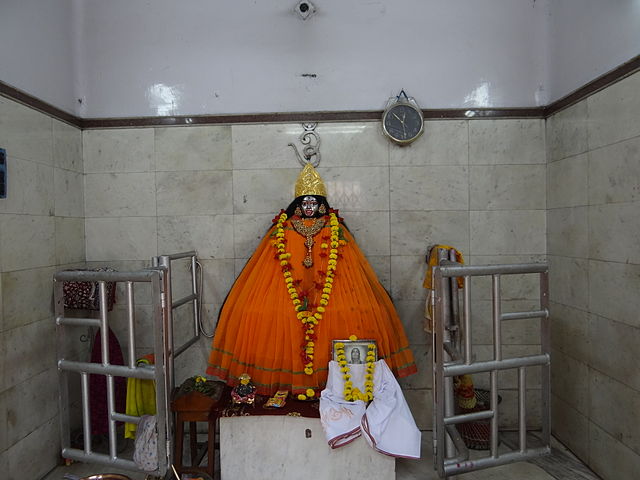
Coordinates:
(245, 392)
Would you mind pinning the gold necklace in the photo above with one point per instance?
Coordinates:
(308, 232)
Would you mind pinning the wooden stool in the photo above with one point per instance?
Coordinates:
(195, 407)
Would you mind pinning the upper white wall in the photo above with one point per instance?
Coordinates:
(588, 38)
(36, 49)
(207, 57)
(161, 57)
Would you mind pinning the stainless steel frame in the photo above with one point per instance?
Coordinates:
(453, 353)
(162, 306)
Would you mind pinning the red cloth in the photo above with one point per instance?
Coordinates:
(98, 386)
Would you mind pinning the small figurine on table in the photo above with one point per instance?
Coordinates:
(245, 392)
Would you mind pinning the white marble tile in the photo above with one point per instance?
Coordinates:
(570, 381)
(508, 379)
(29, 187)
(620, 362)
(614, 173)
(507, 187)
(118, 150)
(142, 290)
(568, 232)
(512, 287)
(248, 231)
(123, 238)
(26, 241)
(265, 146)
(429, 188)
(421, 405)
(411, 312)
(613, 291)
(567, 132)
(211, 235)
(570, 426)
(263, 191)
(444, 142)
(423, 379)
(70, 246)
(25, 133)
(514, 332)
(605, 392)
(508, 412)
(507, 232)
(27, 296)
(69, 193)
(613, 113)
(413, 232)
(193, 148)
(31, 404)
(567, 182)
(569, 281)
(624, 244)
(570, 331)
(194, 193)
(348, 188)
(216, 278)
(504, 142)
(370, 230)
(30, 346)
(381, 264)
(407, 277)
(4, 445)
(353, 144)
(120, 194)
(361, 189)
(34, 455)
(610, 458)
(238, 265)
(67, 146)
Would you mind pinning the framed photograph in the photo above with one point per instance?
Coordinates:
(355, 350)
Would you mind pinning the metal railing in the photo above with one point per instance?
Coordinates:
(453, 356)
(156, 279)
(162, 372)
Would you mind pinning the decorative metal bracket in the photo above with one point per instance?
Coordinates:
(311, 141)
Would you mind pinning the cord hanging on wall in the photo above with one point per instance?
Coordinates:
(311, 141)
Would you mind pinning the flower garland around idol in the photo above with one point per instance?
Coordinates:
(308, 319)
(350, 393)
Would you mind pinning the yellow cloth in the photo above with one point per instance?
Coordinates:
(432, 261)
(141, 400)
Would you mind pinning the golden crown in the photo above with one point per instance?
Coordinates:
(309, 182)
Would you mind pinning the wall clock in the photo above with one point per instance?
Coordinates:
(402, 120)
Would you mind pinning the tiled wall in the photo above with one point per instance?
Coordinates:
(594, 252)
(478, 185)
(41, 230)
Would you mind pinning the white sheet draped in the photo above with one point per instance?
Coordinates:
(387, 422)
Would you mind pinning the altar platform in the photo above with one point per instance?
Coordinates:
(289, 443)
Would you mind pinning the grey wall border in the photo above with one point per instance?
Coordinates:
(590, 88)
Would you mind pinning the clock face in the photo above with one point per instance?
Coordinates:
(402, 123)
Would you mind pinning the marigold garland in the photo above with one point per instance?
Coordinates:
(350, 393)
(308, 319)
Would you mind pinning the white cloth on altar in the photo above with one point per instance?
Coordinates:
(387, 422)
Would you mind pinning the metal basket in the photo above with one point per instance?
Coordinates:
(477, 434)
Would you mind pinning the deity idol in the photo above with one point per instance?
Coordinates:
(307, 283)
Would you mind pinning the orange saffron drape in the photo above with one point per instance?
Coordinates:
(259, 333)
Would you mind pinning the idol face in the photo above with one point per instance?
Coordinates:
(309, 206)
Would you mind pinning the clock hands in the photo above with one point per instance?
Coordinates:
(404, 132)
